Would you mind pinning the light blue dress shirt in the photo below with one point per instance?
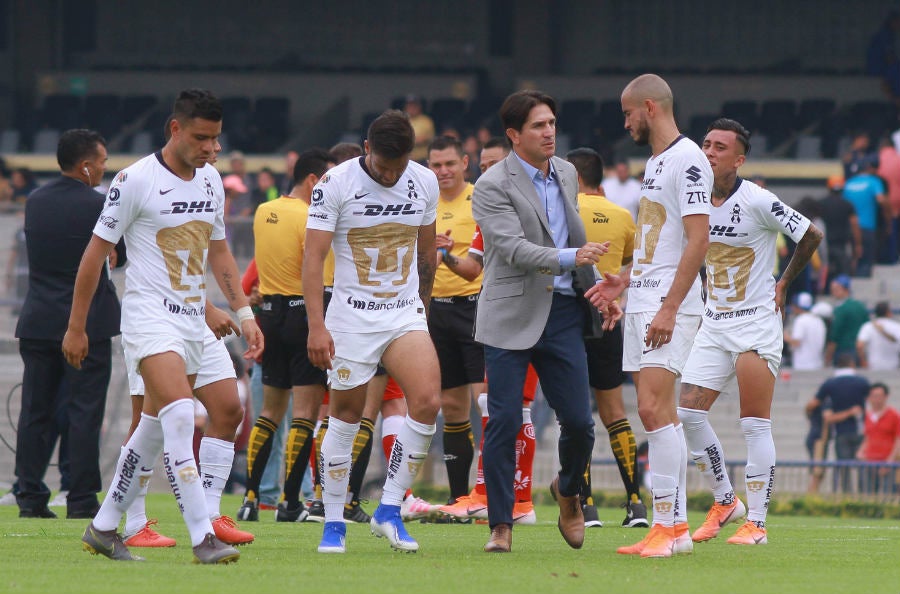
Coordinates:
(552, 198)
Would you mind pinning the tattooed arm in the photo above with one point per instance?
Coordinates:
(802, 254)
(425, 262)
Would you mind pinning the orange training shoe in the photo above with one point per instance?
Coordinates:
(718, 516)
(749, 534)
(661, 544)
(227, 531)
(638, 547)
(148, 537)
(683, 543)
(523, 513)
(472, 505)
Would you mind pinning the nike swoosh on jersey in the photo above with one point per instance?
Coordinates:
(164, 192)
(359, 195)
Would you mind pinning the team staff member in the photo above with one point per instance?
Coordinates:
(452, 315)
(604, 220)
(279, 231)
(528, 311)
(59, 219)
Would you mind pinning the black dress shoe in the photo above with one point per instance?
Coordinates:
(82, 514)
(39, 512)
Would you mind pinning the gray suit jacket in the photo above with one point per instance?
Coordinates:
(520, 258)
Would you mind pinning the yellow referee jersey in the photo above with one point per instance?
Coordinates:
(456, 216)
(279, 233)
(606, 221)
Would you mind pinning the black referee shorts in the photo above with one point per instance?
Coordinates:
(604, 356)
(285, 327)
(451, 323)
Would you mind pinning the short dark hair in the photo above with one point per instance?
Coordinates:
(881, 385)
(197, 103)
(344, 151)
(515, 109)
(441, 143)
(391, 135)
(882, 309)
(313, 161)
(77, 145)
(589, 165)
(845, 360)
(497, 142)
(743, 135)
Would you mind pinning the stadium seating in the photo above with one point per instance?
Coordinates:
(103, 113)
(46, 141)
(61, 111)
(447, 112)
(744, 111)
(10, 140)
(270, 123)
(576, 118)
(778, 120)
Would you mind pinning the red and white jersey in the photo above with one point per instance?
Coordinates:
(376, 279)
(167, 223)
(742, 235)
(477, 245)
(677, 183)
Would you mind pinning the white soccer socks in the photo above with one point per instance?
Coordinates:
(337, 448)
(216, 458)
(177, 420)
(129, 483)
(706, 451)
(664, 457)
(407, 457)
(760, 471)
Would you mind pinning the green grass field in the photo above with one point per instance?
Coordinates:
(804, 554)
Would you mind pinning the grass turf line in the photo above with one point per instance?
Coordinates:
(804, 554)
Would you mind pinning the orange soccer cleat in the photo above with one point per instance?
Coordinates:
(148, 537)
(718, 516)
(749, 534)
(227, 531)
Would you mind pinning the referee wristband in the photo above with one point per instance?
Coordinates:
(245, 313)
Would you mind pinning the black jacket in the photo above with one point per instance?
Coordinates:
(59, 222)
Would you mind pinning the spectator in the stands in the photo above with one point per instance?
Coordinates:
(23, 183)
(866, 192)
(878, 341)
(889, 171)
(843, 238)
(423, 126)
(857, 155)
(623, 189)
(266, 186)
(849, 316)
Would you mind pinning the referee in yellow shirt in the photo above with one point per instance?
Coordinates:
(279, 230)
(606, 221)
(451, 320)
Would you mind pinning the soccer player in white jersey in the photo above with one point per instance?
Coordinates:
(169, 206)
(741, 333)
(664, 304)
(378, 212)
(216, 388)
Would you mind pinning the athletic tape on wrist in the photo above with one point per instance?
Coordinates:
(245, 313)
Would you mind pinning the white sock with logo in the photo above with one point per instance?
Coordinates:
(136, 516)
(337, 449)
(216, 458)
(407, 456)
(706, 451)
(760, 472)
(177, 420)
(664, 458)
(141, 451)
(681, 495)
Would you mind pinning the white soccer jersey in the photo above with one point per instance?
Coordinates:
(882, 343)
(167, 223)
(742, 234)
(376, 279)
(677, 183)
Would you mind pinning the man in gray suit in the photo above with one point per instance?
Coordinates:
(535, 257)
